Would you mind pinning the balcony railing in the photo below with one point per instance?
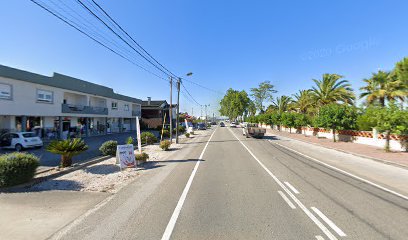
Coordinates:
(70, 108)
(136, 113)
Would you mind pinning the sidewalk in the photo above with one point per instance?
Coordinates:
(367, 151)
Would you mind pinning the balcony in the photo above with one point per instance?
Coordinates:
(136, 113)
(79, 109)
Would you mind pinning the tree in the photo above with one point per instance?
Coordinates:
(281, 104)
(331, 89)
(262, 93)
(234, 103)
(301, 120)
(276, 119)
(67, 149)
(388, 119)
(382, 86)
(336, 117)
(288, 120)
(303, 101)
(251, 108)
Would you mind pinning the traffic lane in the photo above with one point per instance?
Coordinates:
(141, 210)
(231, 197)
(48, 159)
(360, 210)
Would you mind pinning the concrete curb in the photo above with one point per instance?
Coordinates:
(355, 154)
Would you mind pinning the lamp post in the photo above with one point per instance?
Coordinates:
(178, 106)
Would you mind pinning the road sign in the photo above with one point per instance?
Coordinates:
(125, 156)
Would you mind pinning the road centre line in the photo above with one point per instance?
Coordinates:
(292, 188)
(291, 205)
(344, 172)
(329, 222)
(297, 201)
(318, 237)
(170, 226)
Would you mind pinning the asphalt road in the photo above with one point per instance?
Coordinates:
(231, 187)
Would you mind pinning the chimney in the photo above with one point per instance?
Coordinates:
(149, 99)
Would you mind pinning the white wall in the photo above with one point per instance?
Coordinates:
(24, 101)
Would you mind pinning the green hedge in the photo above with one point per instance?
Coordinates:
(108, 148)
(17, 168)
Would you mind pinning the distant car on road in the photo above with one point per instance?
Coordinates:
(213, 123)
(233, 124)
(222, 124)
(201, 126)
(20, 140)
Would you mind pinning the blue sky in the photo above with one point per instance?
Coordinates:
(224, 43)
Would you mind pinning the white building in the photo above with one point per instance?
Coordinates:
(60, 105)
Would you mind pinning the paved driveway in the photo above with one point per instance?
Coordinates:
(48, 159)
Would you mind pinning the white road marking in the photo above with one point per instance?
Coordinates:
(318, 237)
(329, 222)
(170, 226)
(299, 203)
(346, 173)
(292, 188)
(287, 200)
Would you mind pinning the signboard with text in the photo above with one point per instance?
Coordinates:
(125, 156)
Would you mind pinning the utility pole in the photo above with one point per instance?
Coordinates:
(201, 115)
(205, 115)
(171, 109)
(192, 111)
(178, 109)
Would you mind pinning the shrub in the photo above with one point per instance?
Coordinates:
(130, 140)
(141, 156)
(148, 138)
(108, 148)
(17, 168)
(187, 135)
(166, 133)
(181, 129)
(67, 149)
(165, 145)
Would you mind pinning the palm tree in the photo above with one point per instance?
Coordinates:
(383, 86)
(303, 101)
(67, 149)
(332, 89)
(281, 104)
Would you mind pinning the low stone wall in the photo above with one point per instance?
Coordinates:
(373, 138)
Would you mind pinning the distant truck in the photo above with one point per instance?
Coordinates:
(252, 130)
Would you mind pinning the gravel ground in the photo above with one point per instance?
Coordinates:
(104, 176)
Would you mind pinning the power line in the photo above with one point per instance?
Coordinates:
(113, 31)
(132, 38)
(207, 88)
(182, 84)
(78, 28)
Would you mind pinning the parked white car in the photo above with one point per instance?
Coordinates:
(20, 140)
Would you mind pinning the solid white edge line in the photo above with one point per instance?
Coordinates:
(329, 222)
(291, 205)
(318, 237)
(346, 173)
(322, 227)
(292, 188)
(170, 226)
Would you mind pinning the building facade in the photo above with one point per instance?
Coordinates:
(157, 112)
(61, 106)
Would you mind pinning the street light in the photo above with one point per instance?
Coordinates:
(178, 105)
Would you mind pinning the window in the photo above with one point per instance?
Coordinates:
(114, 105)
(126, 107)
(5, 91)
(44, 96)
